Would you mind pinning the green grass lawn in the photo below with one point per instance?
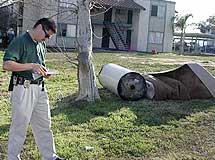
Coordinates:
(117, 129)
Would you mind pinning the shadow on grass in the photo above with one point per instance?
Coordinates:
(4, 129)
(148, 112)
(3, 149)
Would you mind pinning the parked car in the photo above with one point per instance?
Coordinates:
(208, 49)
(186, 46)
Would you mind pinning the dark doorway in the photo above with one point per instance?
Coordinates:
(130, 16)
(108, 16)
(105, 38)
(128, 39)
(105, 32)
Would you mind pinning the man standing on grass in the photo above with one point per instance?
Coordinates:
(30, 104)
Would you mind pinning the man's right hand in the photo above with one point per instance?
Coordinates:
(39, 69)
(15, 66)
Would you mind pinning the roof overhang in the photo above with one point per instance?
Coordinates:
(130, 4)
(197, 35)
(4, 3)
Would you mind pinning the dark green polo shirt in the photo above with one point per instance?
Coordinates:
(24, 50)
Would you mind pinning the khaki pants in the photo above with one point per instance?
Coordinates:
(30, 105)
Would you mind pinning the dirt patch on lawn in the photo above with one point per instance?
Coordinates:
(2, 80)
(169, 61)
(5, 94)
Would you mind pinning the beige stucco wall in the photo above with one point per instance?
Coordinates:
(135, 29)
(168, 37)
(31, 13)
(68, 18)
(97, 36)
(143, 23)
(34, 10)
(111, 44)
(157, 24)
(142, 32)
(161, 24)
(66, 42)
(97, 22)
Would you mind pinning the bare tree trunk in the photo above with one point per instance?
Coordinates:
(86, 73)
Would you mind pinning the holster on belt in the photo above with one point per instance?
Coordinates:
(11, 85)
(19, 80)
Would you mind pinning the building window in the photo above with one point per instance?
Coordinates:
(61, 31)
(156, 37)
(65, 3)
(66, 30)
(154, 11)
(71, 30)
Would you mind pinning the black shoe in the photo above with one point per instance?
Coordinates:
(58, 158)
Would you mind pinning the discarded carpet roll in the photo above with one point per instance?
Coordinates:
(127, 84)
(190, 81)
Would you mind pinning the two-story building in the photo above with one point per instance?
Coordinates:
(139, 25)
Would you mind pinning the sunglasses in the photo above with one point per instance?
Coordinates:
(46, 34)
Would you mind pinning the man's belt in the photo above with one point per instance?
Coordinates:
(18, 80)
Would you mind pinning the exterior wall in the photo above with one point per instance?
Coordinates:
(8, 17)
(97, 22)
(19, 9)
(156, 32)
(111, 44)
(33, 11)
(134, 31)
(120, 17)
(142, 33)
(152, 46)
(52, 10)
(66, 42)
(98, 19)
(117, 17)
(143, 24)
(156, 26)
(97, 36)
(168, 37)
(66, 18)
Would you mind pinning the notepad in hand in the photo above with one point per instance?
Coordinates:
(52, 72)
